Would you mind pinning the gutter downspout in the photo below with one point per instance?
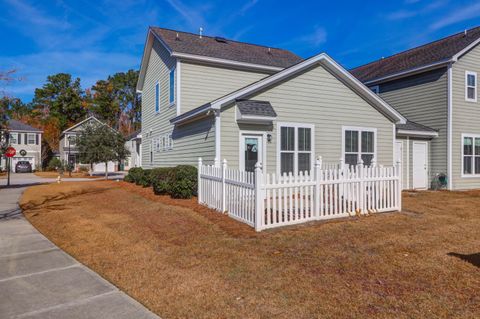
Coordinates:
(449, 126)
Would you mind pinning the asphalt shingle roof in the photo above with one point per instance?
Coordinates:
(412, 126)
(429, 53)
(14, 125)
(231, 50)
(253, 107)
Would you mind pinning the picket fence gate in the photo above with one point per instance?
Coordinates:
(264, 200)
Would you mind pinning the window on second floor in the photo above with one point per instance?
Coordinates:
(13, 138)
(157, 97)
(471, 86)
(171, 97)
(31, 139)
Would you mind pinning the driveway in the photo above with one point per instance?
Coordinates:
(39, 280)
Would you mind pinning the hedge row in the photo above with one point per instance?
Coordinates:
(178, 182)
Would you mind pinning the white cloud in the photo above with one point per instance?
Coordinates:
(317, 37)
(463, 14)
(405, 14)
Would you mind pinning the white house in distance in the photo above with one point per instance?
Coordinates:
(69, 152)
(134, 145)
(27, 141)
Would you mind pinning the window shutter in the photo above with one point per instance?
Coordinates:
(36, 139)
(26, 139)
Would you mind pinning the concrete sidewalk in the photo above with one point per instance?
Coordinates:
(39, 280)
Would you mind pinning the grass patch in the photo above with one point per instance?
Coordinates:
(182, 260)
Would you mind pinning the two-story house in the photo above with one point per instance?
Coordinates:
(27, 141)
(69, 152)
(435, 85)
(216, 98)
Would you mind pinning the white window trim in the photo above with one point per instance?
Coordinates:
(16, 138)
(157, 99)
(295, 156)
(174, 70)
(360, 130)
(474, 136)
(34, 139)
(66, 139)
(467, 73)
(241, 148)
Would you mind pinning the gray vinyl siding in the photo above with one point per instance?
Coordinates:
(201, 84)
(423, 99)
(465, 116)
(189, 141)
(313, 97)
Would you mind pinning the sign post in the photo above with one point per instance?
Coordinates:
(10, 152)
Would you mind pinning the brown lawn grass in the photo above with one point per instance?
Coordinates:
(65, 175)
(185, 261)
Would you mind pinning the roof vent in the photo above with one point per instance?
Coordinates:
(269, 51)
(200, 32)
(220, 39)
(465, 33)
(177, 37)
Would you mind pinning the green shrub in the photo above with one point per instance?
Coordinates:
(144, 178)
(161, 179)
(54, 164)
(184, 183)
(134, 175)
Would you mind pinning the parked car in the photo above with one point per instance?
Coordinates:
(23, 167)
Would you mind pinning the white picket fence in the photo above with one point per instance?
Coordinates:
(267, 200)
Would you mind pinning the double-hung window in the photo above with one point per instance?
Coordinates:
(359, 143)
(471, 86)
(13, 138)
(295, 148)
(157, 97)
(171, 94)
(31, 139)
(471, 155)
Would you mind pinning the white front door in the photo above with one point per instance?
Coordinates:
(420, 167)
(251, 151)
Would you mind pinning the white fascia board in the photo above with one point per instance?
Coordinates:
(408, 72)
(322, 57)
(417, 133)
(201, 58)
(147, 50)
(81, 122)
(468, 48)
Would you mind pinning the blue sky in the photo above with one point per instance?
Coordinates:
(92, 39)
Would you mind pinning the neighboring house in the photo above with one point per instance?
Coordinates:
(435, 85)
(69, 152)
(27, 141)
(221, 99)
(134, 145)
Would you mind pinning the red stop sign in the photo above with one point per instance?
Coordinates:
(10, 152)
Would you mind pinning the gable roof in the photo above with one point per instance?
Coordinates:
(82, 122)
(14, 125)
(322, 59)
(216, 50)
(222, 48)
(432, 54)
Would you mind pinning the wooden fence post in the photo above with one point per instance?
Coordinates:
(399, 183)
(224, 169)
(318, 167)
(259, 197)
(199, 181)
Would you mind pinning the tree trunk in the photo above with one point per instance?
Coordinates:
(106, 170)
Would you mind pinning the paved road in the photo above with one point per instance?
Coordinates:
(39, 280)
